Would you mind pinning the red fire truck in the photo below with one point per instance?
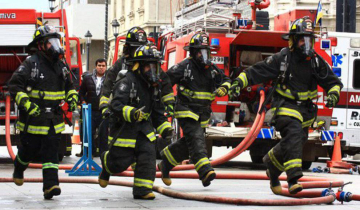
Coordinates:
(17, 27)
(237, 45)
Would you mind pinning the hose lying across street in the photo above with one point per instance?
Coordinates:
(307, 197)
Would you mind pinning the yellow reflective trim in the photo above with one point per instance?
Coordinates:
(169, 157)
(198, 95)
(226, 84)
(274, 161)
(292, 161)
(151, 136)
(336, 89)
(70, 92)
(201, 163)
(105, 162)
(50, 165)
(289, 112)
(37, 33)
(104, 100)
(168, 97)
(204, 124)
(160, 129)
(129, 35)
(244, 80)
(22, 162)
(293, 27)
(41, 130)
(126, 113)
(48, 95)
(293, 166)
(140, 53)
(307, 123)
(143, 183)
(303, 96)
(125, 143)
(192, 40)
(19, 96)
(59, 128)
(186, 114)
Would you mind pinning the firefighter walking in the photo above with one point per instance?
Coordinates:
(198, 82)
(296, 71)
(40, 84)
(132, 133)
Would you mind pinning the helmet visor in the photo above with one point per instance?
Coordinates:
(55, 44)
(205, 54)
(151, 72)
(308, 45)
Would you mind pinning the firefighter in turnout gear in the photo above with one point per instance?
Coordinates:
(132, 133)
(296, 71)
(40, 84)
(198, 82)
(135, 37)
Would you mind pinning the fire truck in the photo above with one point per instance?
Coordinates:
(17, 27)
(240, 42)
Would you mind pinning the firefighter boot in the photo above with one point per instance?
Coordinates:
(275, 185)
(206, 180)
(294, 187)
(53, 191)
(165, 176)
(104, 176)
(149, 196)
(18, 177)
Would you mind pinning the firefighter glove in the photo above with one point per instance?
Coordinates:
(32, 109)
(72, 102)
(221, 91)
(169, 109)
(332, 100)
(139, 115)
(234, 91)
(105, 112)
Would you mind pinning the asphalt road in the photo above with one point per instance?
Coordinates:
(91, 196)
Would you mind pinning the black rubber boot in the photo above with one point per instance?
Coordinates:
(294, 186)
(53, 191)
(206, 180)
(18, 177)
(149, 196)
(275, 185)
(104, 176)
(165, 176)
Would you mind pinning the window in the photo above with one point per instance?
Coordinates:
(356, 77)
(123, 7)
(172, 57)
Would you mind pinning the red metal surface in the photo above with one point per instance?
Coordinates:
(18, 16)
(260, 38)
(282, 21)
(78, 54)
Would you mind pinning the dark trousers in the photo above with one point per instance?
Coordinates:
(96, 119)
(118, 159)
(287, 154)
(103, 134)
(47, 145)
(192, 144)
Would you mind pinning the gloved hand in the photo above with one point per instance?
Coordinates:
(72, 102)
(169, 109)
(234, 91)
(139, 115)
(105, 112)
(221, 91)
(31, 108)
(167, 134)
(332, 100)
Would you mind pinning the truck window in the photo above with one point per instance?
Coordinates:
(356, 77)
(172, 57)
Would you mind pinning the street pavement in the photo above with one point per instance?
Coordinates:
(92, 196)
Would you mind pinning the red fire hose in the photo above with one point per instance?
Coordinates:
(313, 197)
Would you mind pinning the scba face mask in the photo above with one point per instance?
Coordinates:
(55, 50)
(306, 49)
(204, 57)
(152, 73)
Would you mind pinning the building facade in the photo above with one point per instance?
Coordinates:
(148, 14)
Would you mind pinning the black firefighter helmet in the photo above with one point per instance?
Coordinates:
(42, 33)
(303, 26)
(136, 36)
(199, 45)
(146, 59)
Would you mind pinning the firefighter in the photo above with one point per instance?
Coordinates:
(198, 82)
(296, 71)
(39, 86)
(132, 133)
(136, 37)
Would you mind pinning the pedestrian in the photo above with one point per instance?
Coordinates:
(132, 133)
(297, 71)
(40, 84)
(89, 93)
(198, 82)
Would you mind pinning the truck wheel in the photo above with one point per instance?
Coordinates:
(256, 159)
(306, 165)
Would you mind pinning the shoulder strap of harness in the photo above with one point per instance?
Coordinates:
(34, 74)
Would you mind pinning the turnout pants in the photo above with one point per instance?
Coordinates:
(192, 144)
(287, 154)
(47, 146)
(118, 159)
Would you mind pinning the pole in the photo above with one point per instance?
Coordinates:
(87, 56)
(106, 30)
(344, 15)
